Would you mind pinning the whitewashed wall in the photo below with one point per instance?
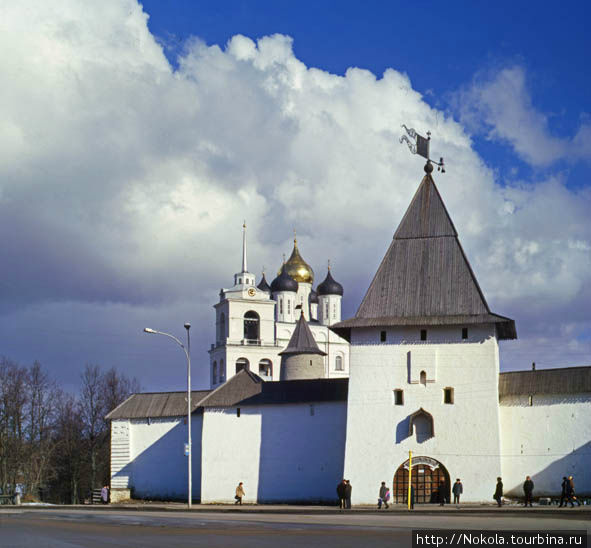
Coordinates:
(467, 434)
(157, 466)
(548, 440)
(282, 453)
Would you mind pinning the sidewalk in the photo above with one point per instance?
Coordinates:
(468, 508)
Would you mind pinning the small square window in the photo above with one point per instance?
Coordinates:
(238, 411)
(448, 395)
(398, 397)
(382, 336)
(423, 334)
(464, 332)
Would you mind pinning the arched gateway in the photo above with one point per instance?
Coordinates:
(427, 476)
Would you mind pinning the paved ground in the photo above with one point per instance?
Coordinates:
(248, 527)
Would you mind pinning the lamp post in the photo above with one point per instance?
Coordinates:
(187, 352)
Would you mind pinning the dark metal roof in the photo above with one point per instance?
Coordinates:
(313, 298)
(243, 385)
(284, 282)
(157, 404)
(330, 286)
(263, 285)
(245, 388)
(425, 277)
(302, 341)
(564, 380)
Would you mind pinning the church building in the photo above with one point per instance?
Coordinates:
(300, 399)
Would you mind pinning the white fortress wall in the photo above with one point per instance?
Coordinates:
(282, 453)
(546, 440)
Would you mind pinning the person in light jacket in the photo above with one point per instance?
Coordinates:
(383, 496)
(239, 493)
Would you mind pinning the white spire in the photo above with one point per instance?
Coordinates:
(244, 268)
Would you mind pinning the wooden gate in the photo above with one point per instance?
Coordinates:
(428, 475)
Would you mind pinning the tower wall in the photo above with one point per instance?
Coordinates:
(329, 309)
(467, 432)
(302, 366)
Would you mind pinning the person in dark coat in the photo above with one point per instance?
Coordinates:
(441, 494)
(341, 488)
(528, 489)
(563, 498)
(498, 496)
(348, 489)
(457, 489)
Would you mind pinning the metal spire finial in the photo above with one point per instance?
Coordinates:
(328, 264)
(244, 267)
(421, 147)
(295, 238)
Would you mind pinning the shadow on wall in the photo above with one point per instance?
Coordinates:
(547, 482)
(302, 454)
(160, 471)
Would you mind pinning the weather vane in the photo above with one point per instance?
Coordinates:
(421, 147)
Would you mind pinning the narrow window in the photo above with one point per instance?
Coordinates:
(338, 365)
(215, 372)
(222, 371)
(448, 395)
(398, 397)
(382, 336)
(334, 311)
(423, 378)
(310, 363)
(288, 306)
(464, 332)
(530, 400)
(312, 411)
(280, 306)
(222, 327)
(326, 311)
(423, 334)
(238, 411)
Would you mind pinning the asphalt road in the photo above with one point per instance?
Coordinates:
(59, 528)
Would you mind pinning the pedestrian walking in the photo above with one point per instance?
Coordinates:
(570, 492)
(528, 488)
(105, 494)
(239, 493)
(341, 493)
(348, 489)
(441, 494)
(563, 498)
(457, 489)
(384, 496)
(498, 496)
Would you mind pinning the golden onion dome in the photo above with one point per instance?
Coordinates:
(297, 268)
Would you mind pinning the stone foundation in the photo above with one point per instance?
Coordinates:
(117, 495)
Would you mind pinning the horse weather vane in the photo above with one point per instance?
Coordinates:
(421, 147)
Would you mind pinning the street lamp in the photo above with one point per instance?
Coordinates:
(187, 352)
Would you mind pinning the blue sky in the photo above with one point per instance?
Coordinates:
(136, 139)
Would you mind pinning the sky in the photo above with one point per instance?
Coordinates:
(136, 138)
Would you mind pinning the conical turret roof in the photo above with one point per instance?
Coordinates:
(263, 285)
(302, 341)
(425, 277)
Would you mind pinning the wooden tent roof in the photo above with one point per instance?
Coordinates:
(157, 404)
(565, 380)
(425, 277)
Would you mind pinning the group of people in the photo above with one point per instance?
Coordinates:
(344, 489)
(568, 493)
